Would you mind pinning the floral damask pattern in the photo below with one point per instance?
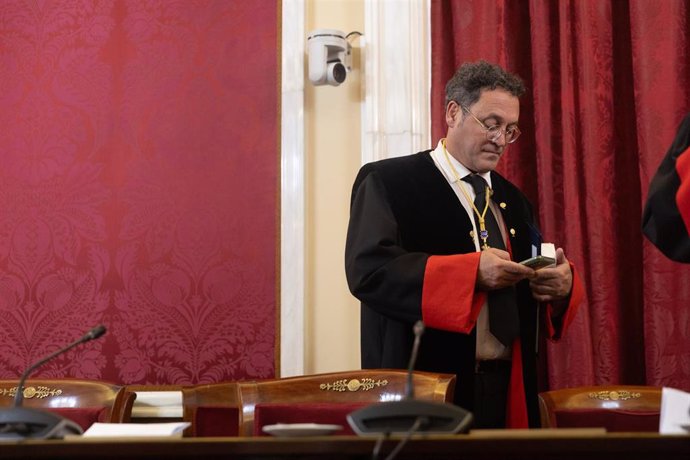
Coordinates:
(139, 188)
(52, 229)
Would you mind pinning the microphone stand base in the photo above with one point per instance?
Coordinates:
(23, 423)
(399, 416)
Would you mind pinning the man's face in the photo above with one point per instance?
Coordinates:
(466, 139)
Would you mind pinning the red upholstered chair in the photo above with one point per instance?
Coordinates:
(614, 407)
(328, 398)
(244, 408)
(82, 401)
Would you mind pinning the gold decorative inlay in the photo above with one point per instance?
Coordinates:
(353, 385)
(621, 395)
(39, 392)
(502, 205)
(512, 232)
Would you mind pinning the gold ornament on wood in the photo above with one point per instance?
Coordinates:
(353, 385)
(39, 392)
(613, 395)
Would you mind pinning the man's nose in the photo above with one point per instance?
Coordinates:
(500, 140)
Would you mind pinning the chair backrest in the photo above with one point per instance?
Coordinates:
(614, 407)
(336, 392)
(83, 401)
(333, 395)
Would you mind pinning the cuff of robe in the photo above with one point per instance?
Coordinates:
(449, 299)
(577, 293)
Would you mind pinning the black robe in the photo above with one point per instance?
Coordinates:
(667, 211)
(403, 210)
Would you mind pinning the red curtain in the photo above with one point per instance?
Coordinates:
(139, 188)
(608, 84)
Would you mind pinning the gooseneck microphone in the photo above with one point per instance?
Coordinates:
(418, 330)
(410, 415)
(94, 333)
(19, 422)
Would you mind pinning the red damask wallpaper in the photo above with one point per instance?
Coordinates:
(139, 188)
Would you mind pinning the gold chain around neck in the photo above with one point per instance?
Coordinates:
(483, 234)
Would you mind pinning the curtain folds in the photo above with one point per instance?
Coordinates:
(607, 87)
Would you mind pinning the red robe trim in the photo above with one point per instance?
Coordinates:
(683, 193)
(452, 306)
(577, 294)
(516, 407)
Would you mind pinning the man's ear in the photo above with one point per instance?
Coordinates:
(453, 114)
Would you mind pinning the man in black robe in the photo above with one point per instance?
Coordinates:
(425, 242)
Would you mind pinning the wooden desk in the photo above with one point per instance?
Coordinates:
(526, 447)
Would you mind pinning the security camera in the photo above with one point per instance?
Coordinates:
(330, 56)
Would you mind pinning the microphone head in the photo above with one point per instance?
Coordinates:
(418, 328)
(95, 333)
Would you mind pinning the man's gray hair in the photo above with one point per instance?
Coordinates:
(472, 77)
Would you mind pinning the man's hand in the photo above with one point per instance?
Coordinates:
(553, 283)
(497, 271)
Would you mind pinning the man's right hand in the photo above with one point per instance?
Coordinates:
(497, 271)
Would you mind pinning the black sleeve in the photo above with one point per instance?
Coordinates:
(662, 222)
(380, 272)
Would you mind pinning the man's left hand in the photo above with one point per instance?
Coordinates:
(553, 283)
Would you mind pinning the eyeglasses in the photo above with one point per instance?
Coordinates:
(494, 133)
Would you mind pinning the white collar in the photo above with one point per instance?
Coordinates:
(461, 169)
